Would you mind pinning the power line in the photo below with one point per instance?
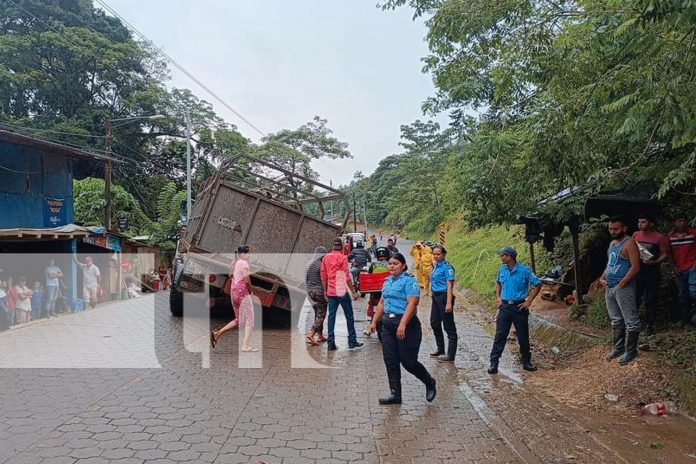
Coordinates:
(178, 66)
(51, 131)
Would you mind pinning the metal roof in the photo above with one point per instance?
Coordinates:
(67, 231)
(16, 138)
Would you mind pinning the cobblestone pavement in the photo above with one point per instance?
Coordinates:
(160, 405)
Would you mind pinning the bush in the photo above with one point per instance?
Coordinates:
(595, 314)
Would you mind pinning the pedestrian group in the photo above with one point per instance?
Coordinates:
(631, 276)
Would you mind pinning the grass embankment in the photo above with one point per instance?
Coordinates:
(473, 254)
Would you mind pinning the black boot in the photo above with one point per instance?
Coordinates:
(619, 344)
(494, 367)
(393, 398)
(527, 365)
(430, 390)
(440, 341)
(631, 348)
(395, 387)
(451, 352)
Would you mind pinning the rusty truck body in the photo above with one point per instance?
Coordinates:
(279, 214)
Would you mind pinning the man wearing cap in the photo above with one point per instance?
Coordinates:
(513, 299)
(335, 278)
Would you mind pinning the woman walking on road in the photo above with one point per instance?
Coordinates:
(240, 292)
(401, 330)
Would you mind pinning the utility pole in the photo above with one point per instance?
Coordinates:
(188, 166)
(355, 219)
(331, 204)
(107, 174)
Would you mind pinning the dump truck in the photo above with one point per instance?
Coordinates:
(277, 212)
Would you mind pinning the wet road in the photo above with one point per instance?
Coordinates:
(127, 382)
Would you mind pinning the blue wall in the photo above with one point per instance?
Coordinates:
(28, 179)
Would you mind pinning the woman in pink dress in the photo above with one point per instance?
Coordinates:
(240, 292)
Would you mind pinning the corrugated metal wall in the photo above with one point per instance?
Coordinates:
(28, 177)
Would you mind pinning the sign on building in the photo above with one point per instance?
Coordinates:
(55, 212)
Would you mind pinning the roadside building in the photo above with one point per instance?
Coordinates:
(36, 206)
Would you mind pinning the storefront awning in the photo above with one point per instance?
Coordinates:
(64, 232)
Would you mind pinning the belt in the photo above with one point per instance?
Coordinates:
(392, 315)
(513, 302)
(440, 293)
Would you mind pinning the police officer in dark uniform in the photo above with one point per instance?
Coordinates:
(512, 287)
(401, 330)
(442, 309)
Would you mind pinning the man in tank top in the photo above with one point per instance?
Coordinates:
(619, 279)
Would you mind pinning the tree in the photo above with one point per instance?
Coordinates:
(294, 151)
(88, 201)
(166, 228)
(592, 95)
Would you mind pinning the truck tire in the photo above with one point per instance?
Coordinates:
(176, 302)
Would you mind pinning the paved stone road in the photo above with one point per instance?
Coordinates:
(153, 402)
(161, 406)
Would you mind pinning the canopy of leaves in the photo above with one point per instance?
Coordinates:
(590, 94)
(66, 67)
(88, 203)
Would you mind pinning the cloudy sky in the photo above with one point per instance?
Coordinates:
(280, 62)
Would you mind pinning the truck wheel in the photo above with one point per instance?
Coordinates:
(176, 302)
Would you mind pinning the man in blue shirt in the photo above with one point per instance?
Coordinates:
(512, 288)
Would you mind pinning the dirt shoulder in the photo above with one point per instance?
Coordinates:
(561, 411)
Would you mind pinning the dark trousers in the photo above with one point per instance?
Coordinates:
(404, 352)
(347, 306)
(686, 292)
(648, 288)
(439, 318)
(509, 314)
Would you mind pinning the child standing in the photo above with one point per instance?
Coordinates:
(37, 299)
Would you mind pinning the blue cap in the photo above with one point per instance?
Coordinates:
(508, 250)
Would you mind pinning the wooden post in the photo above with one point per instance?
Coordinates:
(576, 265)
(532, 259)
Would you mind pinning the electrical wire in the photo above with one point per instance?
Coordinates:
(159, 51)
(36, 129)
(5, 168)
(178, 66)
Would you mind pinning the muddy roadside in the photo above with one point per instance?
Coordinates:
(564, 411)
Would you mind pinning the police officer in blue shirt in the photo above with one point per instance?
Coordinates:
(401, 330)
(442, 309)
(512, 287)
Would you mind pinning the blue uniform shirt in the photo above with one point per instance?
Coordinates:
(443, 272)
(396, 292)
(515, 283)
